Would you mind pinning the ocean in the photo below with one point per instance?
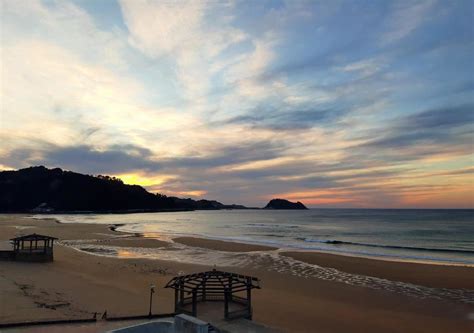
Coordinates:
(428, 235)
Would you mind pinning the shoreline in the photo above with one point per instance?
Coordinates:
(423, 274)
(382, 258)
(201, 242)
(190, 240)
(186, 238)
(183, 239)
(455, 277)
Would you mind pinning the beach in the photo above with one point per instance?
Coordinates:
(78, 283)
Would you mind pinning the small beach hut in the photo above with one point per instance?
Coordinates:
(234, 289)
(33, 247)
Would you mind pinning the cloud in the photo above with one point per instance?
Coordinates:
(288, 119)
(66, 24)
(244, 72)
(433, 129)
(68, 74)
(87, 159)
(404, 18)
(60, 69)
(442, 118)
(365, 68)
(312, 100)
(161, 28)
(225, 155)
(66, 93)
(182, 31)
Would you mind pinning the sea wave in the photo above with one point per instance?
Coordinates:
(398, 247)
(273, 226)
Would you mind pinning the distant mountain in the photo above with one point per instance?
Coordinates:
(39, 189)
(284, 204)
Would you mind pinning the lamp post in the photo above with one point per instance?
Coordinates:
(152, 291)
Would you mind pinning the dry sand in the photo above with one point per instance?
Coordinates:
(77, 284)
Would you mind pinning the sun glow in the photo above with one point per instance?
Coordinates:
(196, 193)
(144, 180)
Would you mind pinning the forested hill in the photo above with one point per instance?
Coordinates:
(39, 189)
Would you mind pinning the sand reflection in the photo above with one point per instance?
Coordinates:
(125, 254)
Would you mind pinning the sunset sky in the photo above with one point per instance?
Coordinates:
(333, 103)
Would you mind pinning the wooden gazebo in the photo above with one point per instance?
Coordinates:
(214, 286)
(33, 247)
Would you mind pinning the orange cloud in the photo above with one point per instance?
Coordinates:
(196, 193)
(144, 180)
(325, 201)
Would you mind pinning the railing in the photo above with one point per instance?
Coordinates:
(7, 254)
(240, 300)
(211, 296)
(183, 304)
(180, 309)
(238, 314)
(83, 320)
(216, 297)
(47, 322)
(186, 300)
(34, 251)
(153, 316)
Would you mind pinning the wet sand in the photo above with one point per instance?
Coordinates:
(219, 245)
(132, 242)
(436, 276)
(77, 284)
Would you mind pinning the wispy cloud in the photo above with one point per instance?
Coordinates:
(404, 18)
(191, 33)
(429, 132)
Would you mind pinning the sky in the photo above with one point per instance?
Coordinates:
(332, 103)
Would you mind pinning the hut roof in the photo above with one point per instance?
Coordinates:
(32, 237)
(217, 279)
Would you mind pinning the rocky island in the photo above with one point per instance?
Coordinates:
(284, 204)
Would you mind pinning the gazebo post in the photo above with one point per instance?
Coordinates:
(204, 291)
(181, 293)
(176, 300)
(226, 303)
(194, 303)
(230, 288)
(249, 298)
